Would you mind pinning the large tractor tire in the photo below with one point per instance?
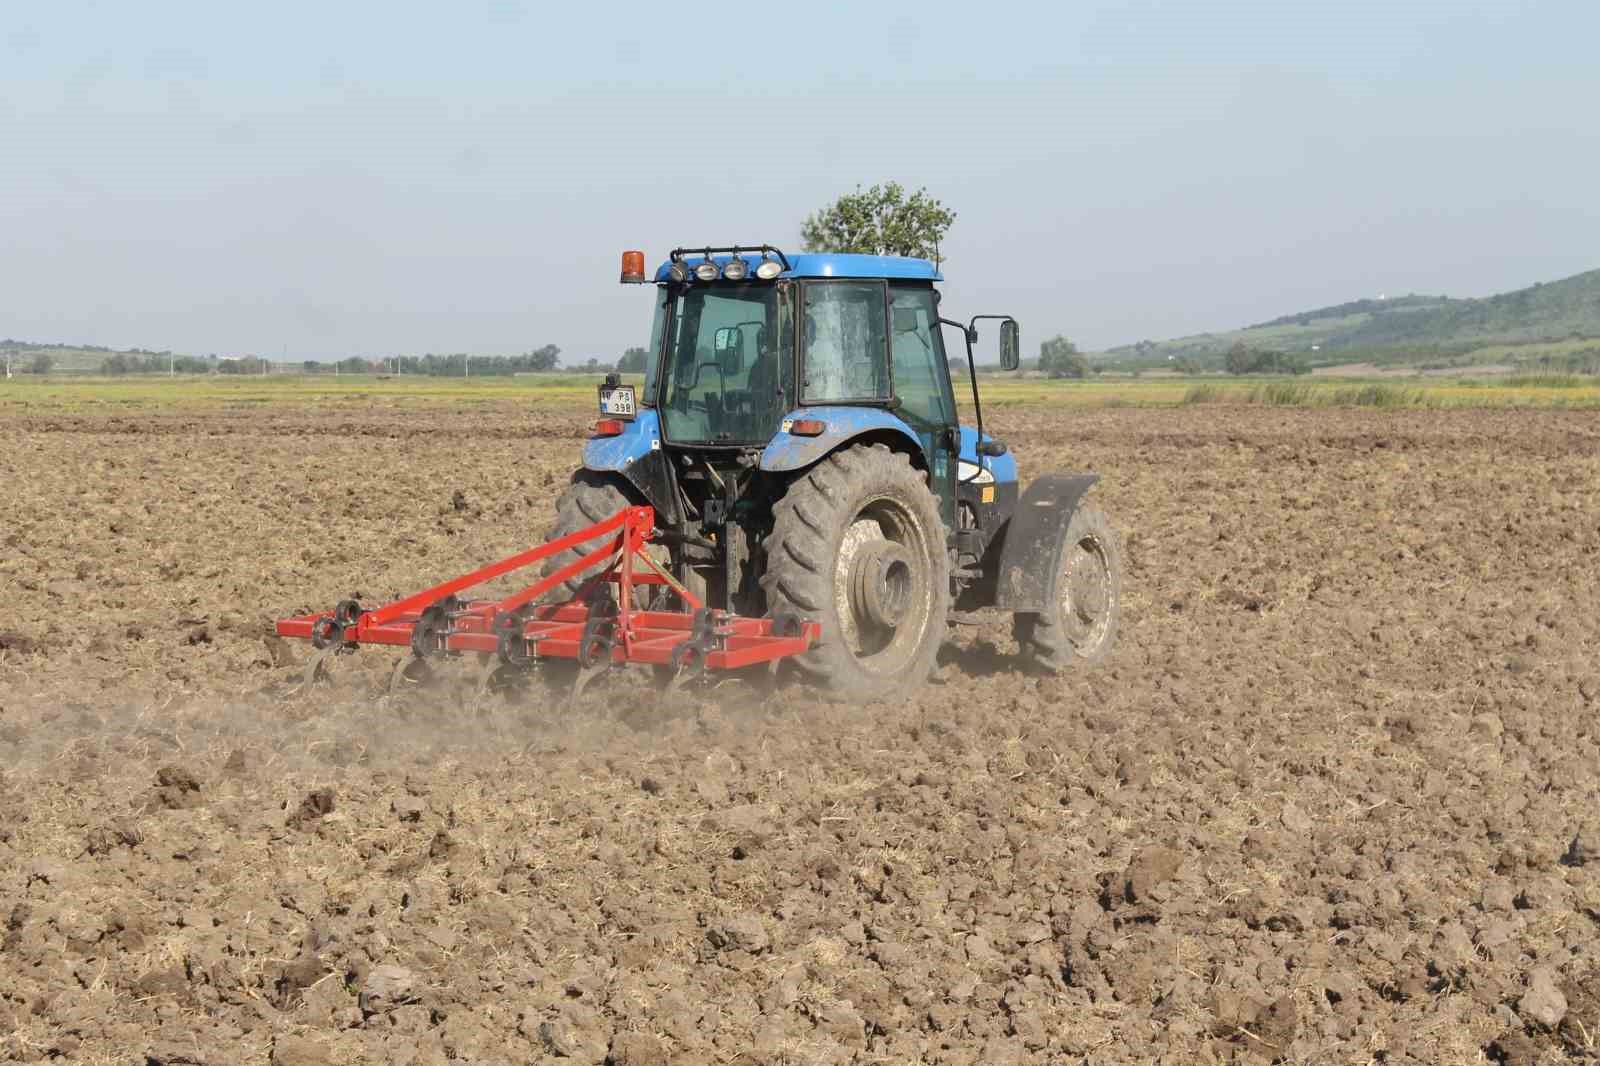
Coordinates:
(589, 499)
(857, 546)
(1080, 628)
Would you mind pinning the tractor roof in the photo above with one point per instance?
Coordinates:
(830, 265)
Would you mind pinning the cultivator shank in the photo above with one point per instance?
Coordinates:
(600, 627)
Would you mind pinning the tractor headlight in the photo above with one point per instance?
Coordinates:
(737, 269)
(706, 271)
(973, 474)
(768, 269)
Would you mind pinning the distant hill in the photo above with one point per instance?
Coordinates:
(1553, 316)
(73, 358)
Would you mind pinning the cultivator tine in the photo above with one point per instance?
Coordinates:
(499, 678)
(316, 671)
(485, 683)
(586, 676)
(681, 677)
(410, 673)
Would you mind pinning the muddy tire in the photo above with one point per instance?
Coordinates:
(589, 499)
(1081, 627)
(857, 546)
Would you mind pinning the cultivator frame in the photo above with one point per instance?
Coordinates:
(599, 628)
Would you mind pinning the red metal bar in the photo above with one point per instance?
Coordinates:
(504, 566)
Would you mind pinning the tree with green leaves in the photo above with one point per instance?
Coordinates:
(43, 363)
(1239, 359)
(633, 361)
(545, 358)
(1060, 358)
(881, 220)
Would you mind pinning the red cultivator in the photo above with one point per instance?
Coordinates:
(599, 628)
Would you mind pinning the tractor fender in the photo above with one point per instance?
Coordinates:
(636, 455)
(787, 452)
(1030, 557)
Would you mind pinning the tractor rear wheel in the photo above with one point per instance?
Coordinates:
(1080, 628)
(857, 546)
(589, 499)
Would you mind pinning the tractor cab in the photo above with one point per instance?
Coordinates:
(756, 352)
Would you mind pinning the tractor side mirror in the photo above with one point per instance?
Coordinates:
(1010, 345)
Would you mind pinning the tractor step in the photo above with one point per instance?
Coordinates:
(602, 626)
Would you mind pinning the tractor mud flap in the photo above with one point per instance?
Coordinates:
(1030, 557)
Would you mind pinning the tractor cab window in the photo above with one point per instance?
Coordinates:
(729, 368)
(921, 375)
(843, 358)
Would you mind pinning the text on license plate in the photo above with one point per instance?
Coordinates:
(618, 401)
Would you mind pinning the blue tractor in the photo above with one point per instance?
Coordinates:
(797, 438)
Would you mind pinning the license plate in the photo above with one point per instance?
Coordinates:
(617, 401)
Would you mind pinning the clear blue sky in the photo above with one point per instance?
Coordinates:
(329, 179)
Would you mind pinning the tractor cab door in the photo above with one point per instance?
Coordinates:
(922, 387)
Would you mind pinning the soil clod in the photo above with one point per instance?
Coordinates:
(314, 806)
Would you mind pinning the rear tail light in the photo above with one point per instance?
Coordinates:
(608, 427)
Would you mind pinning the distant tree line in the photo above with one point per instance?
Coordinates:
(135, 362)
(42, 359)
(461, 364)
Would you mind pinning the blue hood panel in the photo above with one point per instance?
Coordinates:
(788, 452)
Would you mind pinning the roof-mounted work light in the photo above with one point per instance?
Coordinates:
(707, 271)
(678, 271)
(737, 269)
(768, 268)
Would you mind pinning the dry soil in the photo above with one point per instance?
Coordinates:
(1334, 799)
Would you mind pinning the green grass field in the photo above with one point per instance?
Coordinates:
(577, 390)
(154, 391)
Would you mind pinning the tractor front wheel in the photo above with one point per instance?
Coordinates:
(858, 547)
(1080, 627)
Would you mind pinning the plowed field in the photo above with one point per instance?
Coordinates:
(1336, 797)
